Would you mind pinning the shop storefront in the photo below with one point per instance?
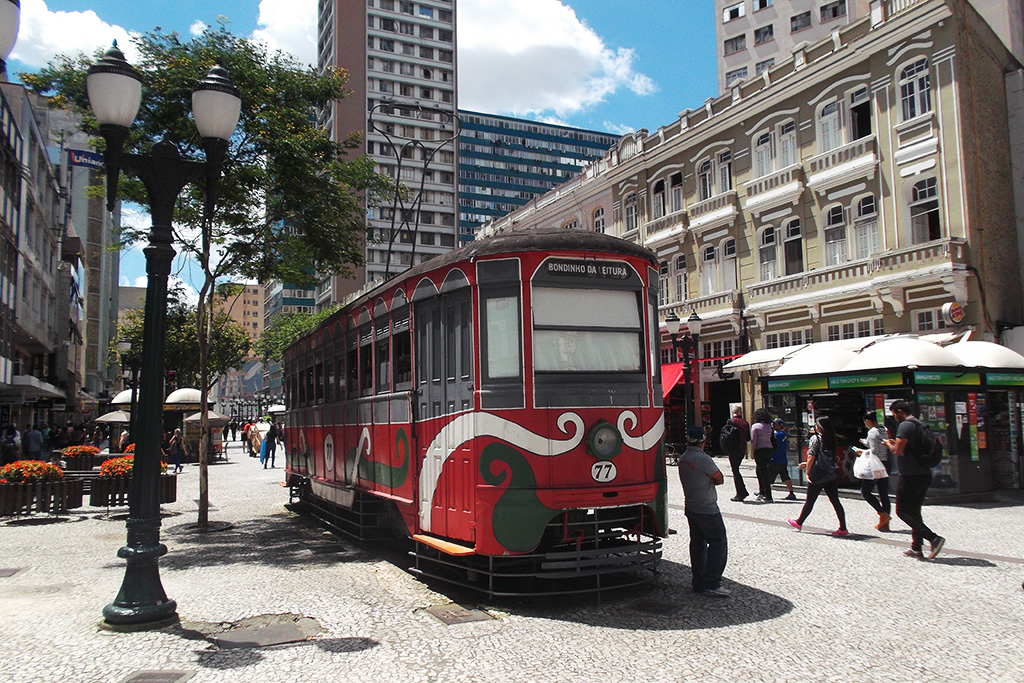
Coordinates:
(970, 394)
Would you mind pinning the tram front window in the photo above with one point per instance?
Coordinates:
(586, 330)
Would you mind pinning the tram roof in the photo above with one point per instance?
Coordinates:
(515, 241)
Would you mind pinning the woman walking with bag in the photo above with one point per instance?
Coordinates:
(872, 468)
(761, 438)
(822, 475)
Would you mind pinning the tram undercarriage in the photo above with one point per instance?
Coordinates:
(583, 551)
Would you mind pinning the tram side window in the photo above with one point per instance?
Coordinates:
(352, 367)
(365, 359)
(318, 373)
(503, 338)
(383, 365)
(329, 375)
(402, 350)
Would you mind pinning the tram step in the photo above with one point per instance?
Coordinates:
(447, 547)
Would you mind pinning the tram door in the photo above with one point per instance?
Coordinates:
(444, 367)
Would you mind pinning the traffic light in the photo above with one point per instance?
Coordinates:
(171, 377)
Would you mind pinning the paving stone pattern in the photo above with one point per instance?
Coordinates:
(804, 606)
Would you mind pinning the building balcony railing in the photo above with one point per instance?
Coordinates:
(853, 161)
(726, 302)
(665, 228)
(894, 6)
(775, 189)
(715, 211)
(914, 257)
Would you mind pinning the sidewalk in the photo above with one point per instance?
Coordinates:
(352, 613)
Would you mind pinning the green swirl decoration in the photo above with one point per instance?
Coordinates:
(519, 516)
(388, 475)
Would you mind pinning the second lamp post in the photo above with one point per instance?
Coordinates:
(115, 93)
(688, 345)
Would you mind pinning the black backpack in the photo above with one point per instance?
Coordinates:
(929, 451)
(729, 438)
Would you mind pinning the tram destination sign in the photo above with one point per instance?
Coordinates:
(604, 270)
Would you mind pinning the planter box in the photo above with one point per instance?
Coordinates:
(53, 497)
(113, 491)
(86, 463)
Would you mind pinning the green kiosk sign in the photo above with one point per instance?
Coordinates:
(878, 379)
(797, 384)
(972, 379)
(1005, 379)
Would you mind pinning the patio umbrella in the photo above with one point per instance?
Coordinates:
(213, 418)
(120, 416)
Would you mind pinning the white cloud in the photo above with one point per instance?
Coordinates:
(197, 28)
(620, 128)
(537, 56)
(289, 26)
(44, 34)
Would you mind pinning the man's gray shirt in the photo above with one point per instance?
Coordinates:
(695, 471)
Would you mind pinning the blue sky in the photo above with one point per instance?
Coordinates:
(612, 65)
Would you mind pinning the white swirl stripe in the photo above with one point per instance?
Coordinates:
(645, 441)
(470, 426)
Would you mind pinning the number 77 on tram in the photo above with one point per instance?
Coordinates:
(500, 405)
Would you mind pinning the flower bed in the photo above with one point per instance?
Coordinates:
(78, 451)
(33, 486)
(113, 485)
(81, 458)
(113, 491)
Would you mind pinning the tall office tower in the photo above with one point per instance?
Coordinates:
(506, 162)
(755, 35)
(400, 58)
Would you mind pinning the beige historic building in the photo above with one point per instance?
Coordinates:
(850, 191)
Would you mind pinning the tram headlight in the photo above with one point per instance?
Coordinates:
(604, 441)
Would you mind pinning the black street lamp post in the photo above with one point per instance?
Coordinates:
(115, 92)
(688, 344)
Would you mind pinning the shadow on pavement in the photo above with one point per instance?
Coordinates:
(278, 540)
(962, 562)
(667, 603)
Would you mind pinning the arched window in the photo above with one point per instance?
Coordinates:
(767, 255)
(630, 209)
(676, 190)
(924, 212)
(835, 236)
(728, 277)
(794, 247)
(705, 180)
(681, 293)
(708, 271)
(763, 155)
(658, 200)
(599, 220)
(830, 134)
(788, 150)
(865, 228)
(663, 281)
(916, 89)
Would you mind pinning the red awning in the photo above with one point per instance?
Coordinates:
(671, 373)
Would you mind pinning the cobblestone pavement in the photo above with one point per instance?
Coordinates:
(805, 606)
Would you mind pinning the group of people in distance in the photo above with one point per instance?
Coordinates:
(699, 476)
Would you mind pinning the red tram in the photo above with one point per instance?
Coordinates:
(501, 406)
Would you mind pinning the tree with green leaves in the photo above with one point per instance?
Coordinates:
(290, 203)
(284, 330)
(229, 348)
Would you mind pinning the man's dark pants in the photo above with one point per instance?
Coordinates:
(709, 550)
(910, 492)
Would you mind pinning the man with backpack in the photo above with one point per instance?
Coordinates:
(733, 439)
(915, 448)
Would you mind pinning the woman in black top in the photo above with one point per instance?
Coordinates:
(822, 445)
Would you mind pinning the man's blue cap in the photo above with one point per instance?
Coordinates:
(695, 434)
